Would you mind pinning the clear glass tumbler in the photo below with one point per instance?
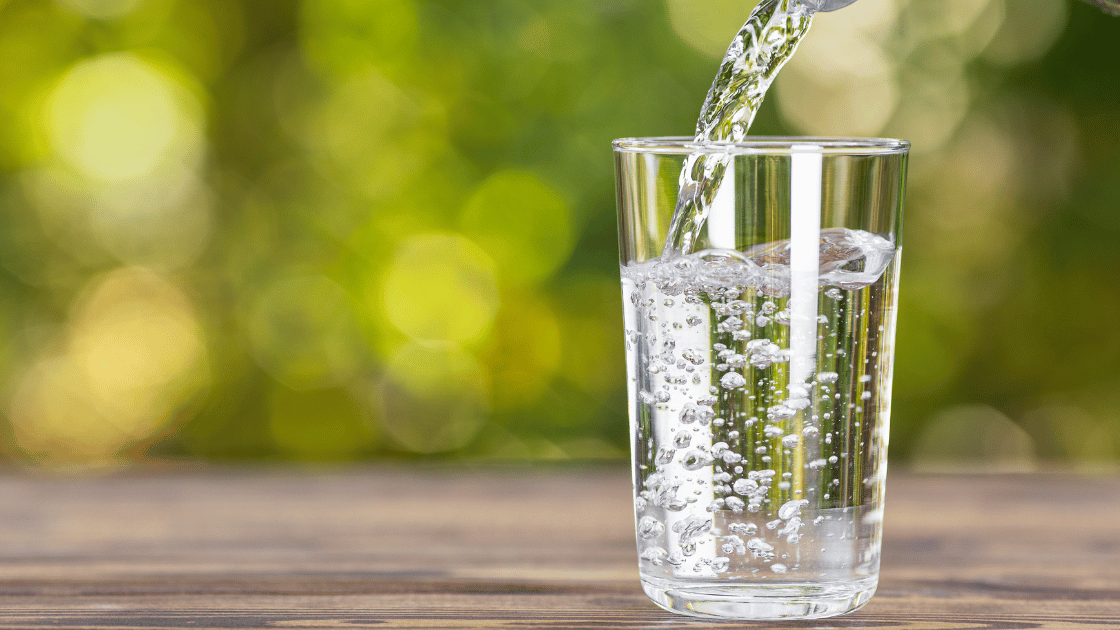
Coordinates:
(759, 371)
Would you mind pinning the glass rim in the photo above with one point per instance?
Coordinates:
(764, 145)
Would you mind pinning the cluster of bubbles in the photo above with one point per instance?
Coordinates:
(692, 529)
(709, 334)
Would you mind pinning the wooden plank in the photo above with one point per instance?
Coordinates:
(440, 548)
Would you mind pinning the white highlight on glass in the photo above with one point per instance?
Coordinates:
(807, 165)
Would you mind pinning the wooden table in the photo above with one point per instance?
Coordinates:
(455, 548)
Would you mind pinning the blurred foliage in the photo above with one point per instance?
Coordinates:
(337, 229)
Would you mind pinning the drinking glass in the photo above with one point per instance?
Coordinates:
(759, 370)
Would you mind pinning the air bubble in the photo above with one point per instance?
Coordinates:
(759, 547)
(650, 527)
(693, 356)
(654, 555)
(729, 324)
(790, 509)
(797, 404)
(780, 412)
(732, 380)
(692, 527)
(733, 545)
(665, 456)
(764, 353)
(688, 414)
(744, 529)
(704, 415)
(745, 486)
(695, 459)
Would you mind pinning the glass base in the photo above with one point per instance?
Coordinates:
(723, 600)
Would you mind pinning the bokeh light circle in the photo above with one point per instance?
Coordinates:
(524, 353)
(842, 81)
(101, 9)
(434, 397)
(708, 25)
(522, 223)
(116, 116)
(134, 360)
(440, 286)
(305, 332)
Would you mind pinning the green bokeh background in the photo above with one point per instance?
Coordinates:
(355, 229)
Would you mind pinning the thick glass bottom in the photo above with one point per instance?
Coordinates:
(754, 601)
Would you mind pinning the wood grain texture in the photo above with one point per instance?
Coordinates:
(514, 548)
